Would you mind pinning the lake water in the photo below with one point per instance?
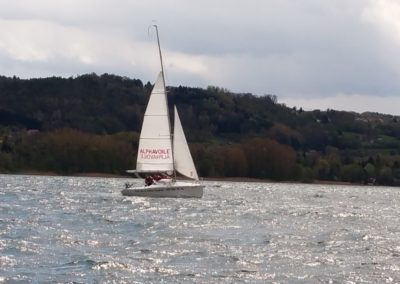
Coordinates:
(81, 230)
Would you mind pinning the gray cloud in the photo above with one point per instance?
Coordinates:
(307, 50)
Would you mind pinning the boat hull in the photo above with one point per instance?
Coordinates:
(178, 190)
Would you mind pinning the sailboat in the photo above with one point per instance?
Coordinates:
(161, 153)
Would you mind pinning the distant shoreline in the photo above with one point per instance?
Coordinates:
(247, 179)
(38, 173)
(223, 179)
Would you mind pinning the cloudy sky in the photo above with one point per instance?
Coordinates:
(313, 54)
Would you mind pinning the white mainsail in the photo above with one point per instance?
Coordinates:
(182, 158)
(155, 148)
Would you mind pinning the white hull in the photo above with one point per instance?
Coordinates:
(175, 190)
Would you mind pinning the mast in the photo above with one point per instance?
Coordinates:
(165, 90)
(159, 52)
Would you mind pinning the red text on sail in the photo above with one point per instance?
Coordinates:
(154, 154)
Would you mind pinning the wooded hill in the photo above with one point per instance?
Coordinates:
(91, 123)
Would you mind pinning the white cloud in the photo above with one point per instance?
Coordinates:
(294, 49)
(353, 102)
(386, 15)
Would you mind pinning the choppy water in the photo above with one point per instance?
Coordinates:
(67, 229)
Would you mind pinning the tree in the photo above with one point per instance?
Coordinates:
(268, 159)
(353, 173)
(385, 176)
(235, 161)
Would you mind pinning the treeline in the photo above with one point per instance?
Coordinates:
(91, 123)
(67, 151)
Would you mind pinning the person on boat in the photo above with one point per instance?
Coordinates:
(157, 177)
(165, 176)
(148, 181)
